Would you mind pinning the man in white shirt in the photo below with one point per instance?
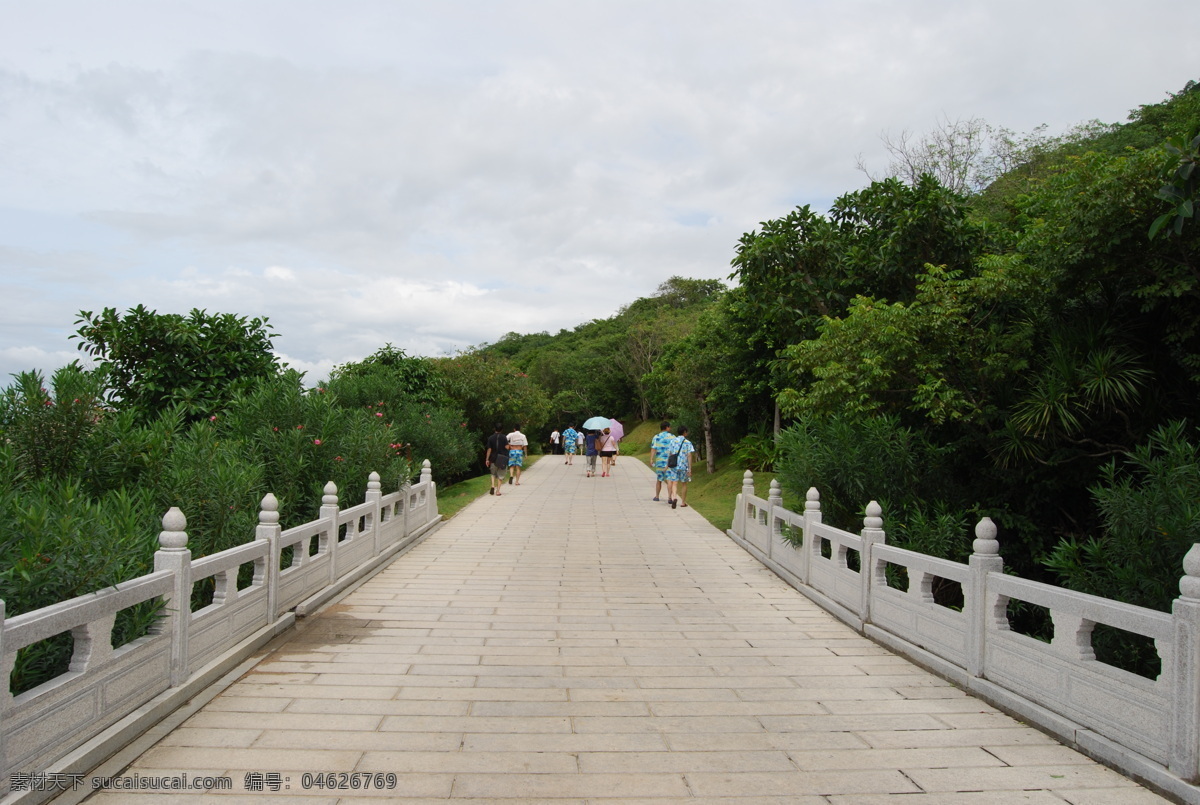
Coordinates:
(518, 446)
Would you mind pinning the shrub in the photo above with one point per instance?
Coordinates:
(303, 439)
(852, 461)
(758, 451)
(49, 428)
(1149, 505)
(57, 543)
(427, 429)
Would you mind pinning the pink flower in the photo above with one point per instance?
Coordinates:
(212, 418)
(317, 442)
(299, 427)
(378, 414)
(337, 458)
(275, 429)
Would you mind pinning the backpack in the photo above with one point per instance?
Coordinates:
(499, 444)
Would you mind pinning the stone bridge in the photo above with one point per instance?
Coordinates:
(574, 641)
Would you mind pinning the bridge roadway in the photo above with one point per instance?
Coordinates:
(574, 641)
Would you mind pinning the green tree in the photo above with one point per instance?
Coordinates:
(686, 378)
(199, 361)
(652, 323)
(492, 390)
(943, 357)
(410, 378)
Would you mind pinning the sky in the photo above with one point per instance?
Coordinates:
(434, 175)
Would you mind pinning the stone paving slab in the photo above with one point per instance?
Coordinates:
(572, 641)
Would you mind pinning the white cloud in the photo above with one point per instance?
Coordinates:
(436, 175)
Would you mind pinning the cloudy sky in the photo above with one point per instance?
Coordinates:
(436, 174)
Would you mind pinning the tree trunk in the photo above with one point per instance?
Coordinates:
(706, 419)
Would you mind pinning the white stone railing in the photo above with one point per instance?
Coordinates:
(109, 696)
(1147, 728)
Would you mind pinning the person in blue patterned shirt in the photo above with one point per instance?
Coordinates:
(681, 473)
(568, 439)
(658, 455)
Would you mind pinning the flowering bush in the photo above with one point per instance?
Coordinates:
(48, 428)
(416, 427)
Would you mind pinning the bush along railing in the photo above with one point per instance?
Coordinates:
(110, 695)
(958, 621)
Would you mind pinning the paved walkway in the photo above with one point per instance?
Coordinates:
(572, 641)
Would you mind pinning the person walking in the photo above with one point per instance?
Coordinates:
(660, 445)
(607, 447)
(496, 459)
(589, 441)
(554, 437)
(518, 444)
(679, 475)
(569, 446)
(580, 442)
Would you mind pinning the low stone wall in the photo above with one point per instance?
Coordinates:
(1147, 728)
(71, 723)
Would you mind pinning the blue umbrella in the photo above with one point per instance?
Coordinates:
(596, 423)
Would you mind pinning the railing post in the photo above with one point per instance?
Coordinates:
(739, 505)
(268, 529)
(872, 534)
(373, 496)
(1185, 677)
(5, 703)
(774, 501)
(329, 511)
(173, 555)
(430, 491)
(405, 501)
(812, 517)
(985, 559)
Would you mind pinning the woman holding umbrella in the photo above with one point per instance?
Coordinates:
(598, 429)
(608, 450)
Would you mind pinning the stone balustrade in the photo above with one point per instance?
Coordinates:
(109, 696)
(1147, 728)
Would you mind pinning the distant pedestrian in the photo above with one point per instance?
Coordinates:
(518, 444)
(496, 459)
(589, 441)
(659, 446)
(580, 442)
(681, 474)
(569, 446)
(554, 437)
